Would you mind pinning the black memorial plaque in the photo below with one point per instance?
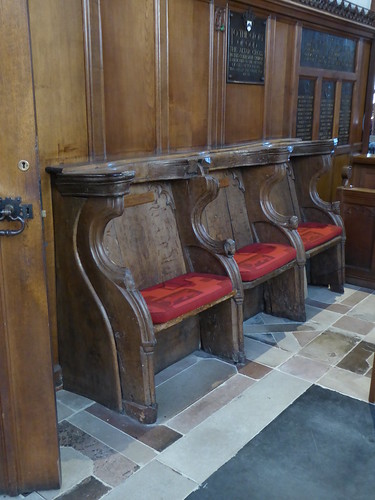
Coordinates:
(324, 51)
(327, 106)
(246, 48)
(345, 112)
(305, 109)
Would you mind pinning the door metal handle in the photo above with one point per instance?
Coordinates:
(12, 210)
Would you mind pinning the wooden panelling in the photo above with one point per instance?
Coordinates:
(189, 72)
(128, 30)
(244, 112)
(59, 75)
(278, 89)
(360, 87)
(60, 100)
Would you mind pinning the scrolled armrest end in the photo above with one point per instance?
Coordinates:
(229, 247)
(293, 222)
(336, 207)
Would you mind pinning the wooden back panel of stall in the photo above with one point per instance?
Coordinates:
(226, 217)
(145, 238)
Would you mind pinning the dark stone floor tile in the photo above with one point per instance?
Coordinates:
(89, 489)
(255, 370)
(355, 325)
(157, 437)
(338, 308)
(357, 361)
(367, 290)
(70, 435)
(355, 298)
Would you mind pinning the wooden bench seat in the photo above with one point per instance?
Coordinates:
(269, 253)
(319, 222)
(140, 284)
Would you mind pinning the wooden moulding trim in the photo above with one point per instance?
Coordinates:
(89, 185)
(172, 322)
(356, 196)
(248, 155)
(315, 12)
(347, 10)
(248, 285)
(364, 159)
(323, 246)
(318, 147)
(158, 168)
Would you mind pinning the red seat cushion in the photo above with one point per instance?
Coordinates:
(183, 294)
(315, 233)
(259, 259)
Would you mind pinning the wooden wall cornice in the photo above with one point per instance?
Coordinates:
(317, 12)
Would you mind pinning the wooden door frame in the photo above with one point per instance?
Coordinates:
(29, 450)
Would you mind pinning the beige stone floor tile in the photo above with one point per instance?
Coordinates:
(304, 337)
(265, 354)
(330, 346)
(305, 368)
(187, 387)
(212, 443)
(63, 411)
(129, 447)
(73, 401)
(370, 337)
(74, 467)
(155, 481)
(287, 341)
(365, 310)
(176, 368)
(320, 319)
(347, 383)
(202, 409)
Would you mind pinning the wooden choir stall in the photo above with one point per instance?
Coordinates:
(163, 256)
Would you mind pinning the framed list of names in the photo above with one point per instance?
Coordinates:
(324, 61)
(305, 108)
(345, 112)
(327, 105)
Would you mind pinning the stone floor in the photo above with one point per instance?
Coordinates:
(208, 410)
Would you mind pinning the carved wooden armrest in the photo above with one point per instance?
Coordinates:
(192, 198)
(285, 221)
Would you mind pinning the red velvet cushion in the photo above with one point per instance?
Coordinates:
(259, 259)
(315, 233)
(183, 294)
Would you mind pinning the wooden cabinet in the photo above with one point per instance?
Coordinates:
(358, 212)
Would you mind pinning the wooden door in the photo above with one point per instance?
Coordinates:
(29, 453)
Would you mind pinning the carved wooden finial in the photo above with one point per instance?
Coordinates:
(346, 174)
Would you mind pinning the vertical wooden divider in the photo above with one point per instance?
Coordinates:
(94, 79)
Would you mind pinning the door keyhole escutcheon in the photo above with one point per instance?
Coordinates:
(23, 165)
